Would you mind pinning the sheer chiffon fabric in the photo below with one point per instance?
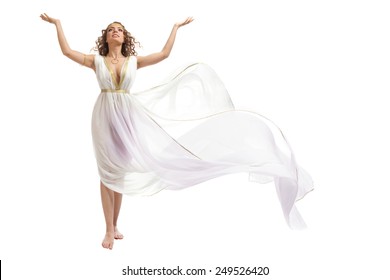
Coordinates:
(186, 131)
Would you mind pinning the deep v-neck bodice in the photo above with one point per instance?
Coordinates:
(115, 76)
(108, 79)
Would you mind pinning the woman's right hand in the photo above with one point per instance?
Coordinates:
(45, 17)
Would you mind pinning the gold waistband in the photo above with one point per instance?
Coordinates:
(115, 90)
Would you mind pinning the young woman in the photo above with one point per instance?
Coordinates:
(138, 152)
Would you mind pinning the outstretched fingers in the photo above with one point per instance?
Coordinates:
(45, 17)
(186, 21)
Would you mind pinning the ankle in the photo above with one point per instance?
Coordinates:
(110, 229)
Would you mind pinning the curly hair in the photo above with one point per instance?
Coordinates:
(128, 46)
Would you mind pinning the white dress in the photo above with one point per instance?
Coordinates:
(184, 132)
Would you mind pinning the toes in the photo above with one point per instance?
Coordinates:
(118, 236)
(108, 242)
(108, 245)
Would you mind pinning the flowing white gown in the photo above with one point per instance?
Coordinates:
(184, 132)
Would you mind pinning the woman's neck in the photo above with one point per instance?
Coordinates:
(115, 51)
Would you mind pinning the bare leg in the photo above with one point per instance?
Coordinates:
(117, 208)
(108, 202)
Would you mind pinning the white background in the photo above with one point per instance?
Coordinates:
(319, 69)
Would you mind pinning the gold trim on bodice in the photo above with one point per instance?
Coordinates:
(122, 73)
(115, 90)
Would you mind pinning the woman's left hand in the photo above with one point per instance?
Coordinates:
(185, 22)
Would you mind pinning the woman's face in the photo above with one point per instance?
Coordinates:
(115, 33)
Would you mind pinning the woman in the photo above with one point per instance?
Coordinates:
(177, 134)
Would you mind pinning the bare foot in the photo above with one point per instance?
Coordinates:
(108, 241)
(117, 234)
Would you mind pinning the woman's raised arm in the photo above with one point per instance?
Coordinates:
(83, 59)
(164, 53)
